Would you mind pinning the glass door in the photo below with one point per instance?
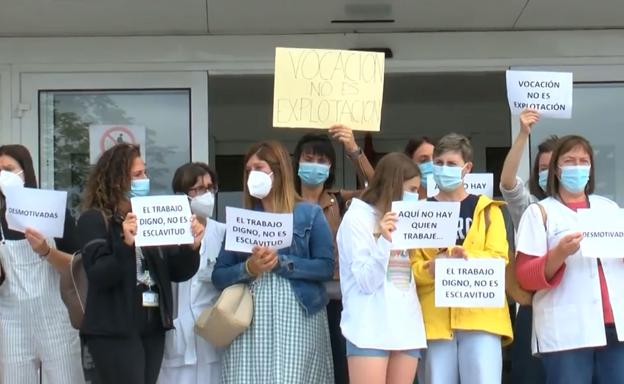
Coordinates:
(74, 117)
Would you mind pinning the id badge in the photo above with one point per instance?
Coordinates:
(150, 299)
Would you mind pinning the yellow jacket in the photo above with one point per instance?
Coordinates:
(440, 322)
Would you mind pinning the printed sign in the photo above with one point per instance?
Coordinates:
(550, 93)
(475, 183)
(39, 209)
(425, 224)
(316, 88)
(601, 238)
(102, 137)
(162, 220)
(472, 283)
(247, 229)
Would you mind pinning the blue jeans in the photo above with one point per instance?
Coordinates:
(471, 357)
(605, 365)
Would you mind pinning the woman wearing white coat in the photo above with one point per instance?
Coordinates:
(381, 320)
(578, 307)
(188, 358)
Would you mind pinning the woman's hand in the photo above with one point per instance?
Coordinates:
(129, 227)
(528, 118)
(344, 135)
(37, 242)
(262, 259)
(387, 225)
(197, 229)
(568, 245)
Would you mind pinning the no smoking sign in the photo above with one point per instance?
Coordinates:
(103, 137)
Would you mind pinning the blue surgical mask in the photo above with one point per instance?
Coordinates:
(543, 179)
(313, 173)
(139, 188)
(410, 196)
(574, 178)
(448, 178)
(426, 169)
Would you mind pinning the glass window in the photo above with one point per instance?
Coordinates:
(596, 115)
(75, 126)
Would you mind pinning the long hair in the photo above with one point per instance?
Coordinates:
(545, 146)
(387, 185)
(109, 180)
(316, 144)
(283, 195)
(23, 158)
(565, 145)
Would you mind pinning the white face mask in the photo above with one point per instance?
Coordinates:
(203, 205)
(10, 179)
(259, 184)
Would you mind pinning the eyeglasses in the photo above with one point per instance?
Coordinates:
(197, 191)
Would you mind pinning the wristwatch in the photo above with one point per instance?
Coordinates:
(355, 154)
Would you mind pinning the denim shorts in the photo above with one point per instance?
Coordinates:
(353, 350)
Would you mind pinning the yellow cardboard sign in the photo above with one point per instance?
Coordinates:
(316, 88)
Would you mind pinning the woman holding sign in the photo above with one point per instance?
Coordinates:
(464, 343)
(518, 195)
(381, 320)
(578, 315)
(129, 300)
(315, 165)
(35, 331)
(189, 359)
(288, 340)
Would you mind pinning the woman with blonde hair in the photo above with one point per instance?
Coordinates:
(382, 320)
(288, 341)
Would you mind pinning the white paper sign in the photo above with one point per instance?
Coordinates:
(550, 93)
(472, 283)
(40, 209)
(475, 183)
(102, 137)
(247, 228)
(162, 220)
(603, 232)
(425, 224)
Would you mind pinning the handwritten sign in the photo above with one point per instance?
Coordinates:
(40, 209)
(550, 93)
(162, 220)
(315, 88)
(472, 283)
(246, 229)
(475, 183)
(601, 238)
(425, 224)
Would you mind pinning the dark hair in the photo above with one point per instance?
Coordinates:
(546, 146)
(211, 172)
(21, 154)
(185, 177)
(565, 145)
(454, 142)
(316, 144)
(109, 180)
(387, 185)
(414, 144)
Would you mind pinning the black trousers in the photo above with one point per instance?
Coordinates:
(134, 359)
(127, 360)
(338, 342)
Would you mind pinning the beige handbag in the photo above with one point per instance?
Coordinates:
(229, 317)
